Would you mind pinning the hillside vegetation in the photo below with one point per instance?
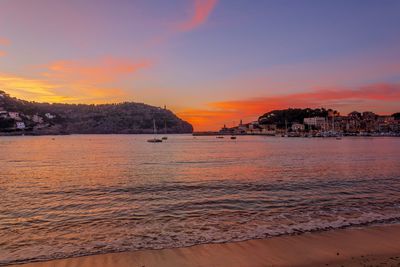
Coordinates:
(291, 115)
(119, 118)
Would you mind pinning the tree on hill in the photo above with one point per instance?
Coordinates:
(396, 115)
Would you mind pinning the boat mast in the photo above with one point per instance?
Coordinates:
(285, 127)
(154, 128)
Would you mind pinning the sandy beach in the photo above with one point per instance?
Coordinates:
(370, 246)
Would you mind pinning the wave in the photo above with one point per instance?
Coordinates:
(307, 227)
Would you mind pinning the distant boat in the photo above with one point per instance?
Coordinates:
(220, 137)
(155, 139)
(233, 137)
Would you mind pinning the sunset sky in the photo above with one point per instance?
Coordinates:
(211, 62)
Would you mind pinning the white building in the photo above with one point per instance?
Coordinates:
(50, 116)
(317, 122)
(37, 119)
(13, 115)
(20, 125)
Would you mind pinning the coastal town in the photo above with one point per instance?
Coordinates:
(20, 117)
(11, 121)
(332, 125)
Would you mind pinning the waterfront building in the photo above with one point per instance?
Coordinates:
(316, 122)
(298, 127)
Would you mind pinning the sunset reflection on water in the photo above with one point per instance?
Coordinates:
(76, 195)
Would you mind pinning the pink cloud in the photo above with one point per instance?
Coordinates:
(2, 53)
(103, 70)
(202, 9)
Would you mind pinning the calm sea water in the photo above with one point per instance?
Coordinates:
(80, 195)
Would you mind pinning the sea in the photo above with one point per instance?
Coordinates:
(68, 196)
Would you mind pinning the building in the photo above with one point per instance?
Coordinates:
(298, 127)
(13, 115)
(316, 122)
(3, 113)
(20, 125)
(354, 115)
(254, 128)
(368, 115)
(36, 118)
(369, 122)
(50, 116)
(268, 129)
(224, 129)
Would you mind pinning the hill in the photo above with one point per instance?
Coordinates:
(124, 118)
(291, 115)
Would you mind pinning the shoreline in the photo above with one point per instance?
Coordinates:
(370, 245)
(294, 136)
(194, 134)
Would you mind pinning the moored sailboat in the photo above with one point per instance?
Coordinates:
(155, 139)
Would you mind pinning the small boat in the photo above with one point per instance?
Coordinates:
(164, 138)
(220, 137)
(233, 137)
(155, 139)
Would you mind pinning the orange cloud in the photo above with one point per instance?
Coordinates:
(75, 81)
(33, 89)
(377, 97)
(102, 70)
(42, 90)
(2, 53)
(4, 41)
(202, 9)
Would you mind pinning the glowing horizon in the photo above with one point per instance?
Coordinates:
(211, 62)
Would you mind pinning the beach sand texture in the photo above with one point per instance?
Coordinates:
(370, 246)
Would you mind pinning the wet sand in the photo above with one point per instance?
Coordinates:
(370, 246)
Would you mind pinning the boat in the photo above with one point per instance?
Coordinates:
(155, 139)
(233, 137)
(220, 137)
